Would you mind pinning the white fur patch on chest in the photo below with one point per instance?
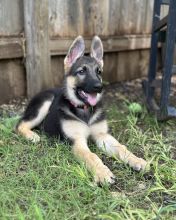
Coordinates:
(75, 129)
(79, 130)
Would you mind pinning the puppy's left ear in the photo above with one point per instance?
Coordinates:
(97, 50)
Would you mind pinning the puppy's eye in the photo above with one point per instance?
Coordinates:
(81, 72)
(99, 71)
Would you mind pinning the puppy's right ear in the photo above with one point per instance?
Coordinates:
(76, 51)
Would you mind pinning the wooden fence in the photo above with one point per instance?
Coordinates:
(35, 36)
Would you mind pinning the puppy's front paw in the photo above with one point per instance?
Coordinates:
(104, 175)
(138, 163)
(32, 136)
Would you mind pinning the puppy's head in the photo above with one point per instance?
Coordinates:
(83, 73)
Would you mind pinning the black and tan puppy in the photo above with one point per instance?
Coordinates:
(74, 112)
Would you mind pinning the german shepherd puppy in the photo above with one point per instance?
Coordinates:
(74, 112)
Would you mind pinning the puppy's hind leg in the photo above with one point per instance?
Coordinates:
(34, 115)
(24, 128)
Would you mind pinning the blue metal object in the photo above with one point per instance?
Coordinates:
(163, 111)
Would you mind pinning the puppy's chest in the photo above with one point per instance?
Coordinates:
(90, 115)
(84, 114)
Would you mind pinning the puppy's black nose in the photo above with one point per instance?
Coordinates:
(97, 87)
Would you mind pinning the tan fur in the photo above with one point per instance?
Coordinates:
(112, 147)
(98, 128)
(71, 81)
(71, 84)
(24, 128)
(66, 67)
(75, 129)
(92, 161)
(79, 132)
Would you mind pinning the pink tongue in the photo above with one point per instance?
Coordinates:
(92, 99)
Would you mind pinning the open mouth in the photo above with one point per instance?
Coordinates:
(90, 98)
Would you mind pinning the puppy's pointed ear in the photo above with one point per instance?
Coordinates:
(76, 50)
(97, 50)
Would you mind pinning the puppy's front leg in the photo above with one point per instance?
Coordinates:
(112, 147)
(78, 132)
(92, 161)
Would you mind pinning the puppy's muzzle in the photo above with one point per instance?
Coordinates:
(97, 87)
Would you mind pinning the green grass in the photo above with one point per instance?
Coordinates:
(44, 181)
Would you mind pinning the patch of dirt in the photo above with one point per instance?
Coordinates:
(124, 91)
(13, 108)
(132, 91)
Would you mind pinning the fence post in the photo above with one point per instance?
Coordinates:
(36, 23)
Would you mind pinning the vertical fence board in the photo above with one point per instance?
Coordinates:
(12, 79)
(69, 18)
(114, 17)
(11, 17)
(148, 15)
(37, 46)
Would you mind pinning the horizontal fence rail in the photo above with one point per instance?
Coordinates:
(15, 47)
